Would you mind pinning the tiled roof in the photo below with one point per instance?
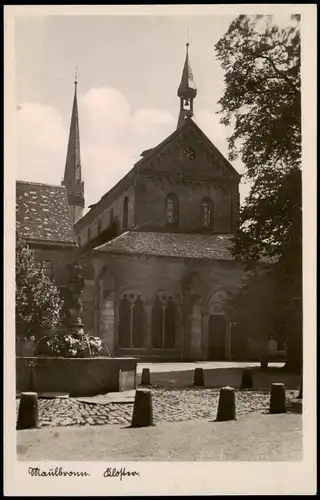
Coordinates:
(192, 246)
(43, 213)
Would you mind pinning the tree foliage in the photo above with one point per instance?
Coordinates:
(262, 103)
(38, 302)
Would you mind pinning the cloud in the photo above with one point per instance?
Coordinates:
(42, 142)
(112, 138)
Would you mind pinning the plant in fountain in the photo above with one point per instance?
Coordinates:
(71, 340)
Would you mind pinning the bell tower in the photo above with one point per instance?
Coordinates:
(72, 173)
(187, 91)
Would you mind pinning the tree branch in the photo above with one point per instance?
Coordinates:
(277, 70)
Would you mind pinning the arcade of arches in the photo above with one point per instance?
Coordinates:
(159, 324)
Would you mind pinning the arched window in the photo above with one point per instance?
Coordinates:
(125, 323)
(172, 209)
(170, 325)
(125, 214)
(89, 233)
(157, 324)
(163, 324)
(138, 324)
(99, 226)
(207, 213)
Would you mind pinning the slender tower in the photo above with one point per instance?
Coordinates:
(72, 173)
(187, 91)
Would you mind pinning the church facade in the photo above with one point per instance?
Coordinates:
(159, 288)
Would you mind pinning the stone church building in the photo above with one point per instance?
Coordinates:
(159, 287)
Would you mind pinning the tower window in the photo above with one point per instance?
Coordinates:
(207, 213)
(172, 209)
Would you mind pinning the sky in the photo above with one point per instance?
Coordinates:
(129, 69)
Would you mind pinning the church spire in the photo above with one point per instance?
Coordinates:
(187, 91)
(72, 173)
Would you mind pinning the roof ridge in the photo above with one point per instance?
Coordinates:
(40, 184)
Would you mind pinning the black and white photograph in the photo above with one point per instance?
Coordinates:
(160, 215)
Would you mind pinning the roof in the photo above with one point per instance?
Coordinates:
(192, 246)
(43, 213)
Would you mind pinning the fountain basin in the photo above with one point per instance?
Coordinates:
(76, 376)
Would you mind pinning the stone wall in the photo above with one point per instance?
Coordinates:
(103, 214)
(198, 289)
(151, 195)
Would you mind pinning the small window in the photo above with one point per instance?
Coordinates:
(172, 209)
(79, 241)
(89, 233)
(46, 266)
(99, 226)
(207, 213)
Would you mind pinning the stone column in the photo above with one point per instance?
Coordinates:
(228, 340)
(179, 327)
(107, 322)
(148, 339)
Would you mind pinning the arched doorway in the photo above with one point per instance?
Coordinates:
(217, 329)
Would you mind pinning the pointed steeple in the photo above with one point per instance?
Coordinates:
(187, 91)
(72, 173)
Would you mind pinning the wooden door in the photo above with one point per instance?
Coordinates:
(217, 337)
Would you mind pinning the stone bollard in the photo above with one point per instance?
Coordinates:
(247, 379)
(227, 405)
(28, 417)
(278, 399)
(198, 379)
(145, 377)
(32, 377)
(142, 410)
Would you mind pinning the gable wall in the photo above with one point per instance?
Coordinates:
(152, 189)
(207, 174)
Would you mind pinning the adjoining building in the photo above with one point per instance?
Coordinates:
(44, 222)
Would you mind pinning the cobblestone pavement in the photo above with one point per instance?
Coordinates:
(169, 405)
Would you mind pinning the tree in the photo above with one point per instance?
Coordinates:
(262, 102)
(38, 302)
(252, 312)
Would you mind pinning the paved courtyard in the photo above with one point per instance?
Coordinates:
(254, 437)
(169, 405)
